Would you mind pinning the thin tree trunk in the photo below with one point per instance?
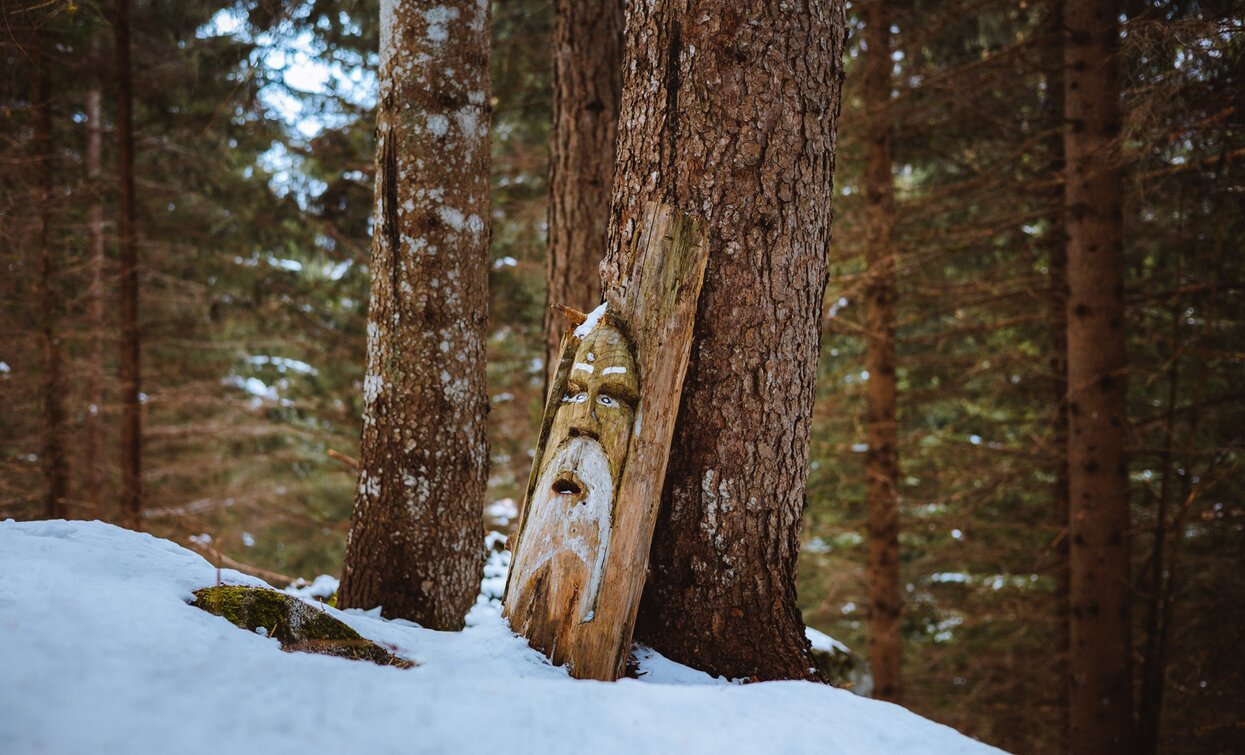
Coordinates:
(55, 463)
(128, 364)
(1101, 708)
(1153, 669)
(587, 83)
(882, 431)
(94, 391)
(1057, 275)
(416, 545)
(729, 112)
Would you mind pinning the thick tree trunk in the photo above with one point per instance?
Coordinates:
(728, 113)
(94, 392)
(587, 79)
(131, 408)
(55, 463)
(1101, 709)
(881, 428)
(416, 544)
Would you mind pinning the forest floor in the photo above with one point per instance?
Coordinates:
(100, 652)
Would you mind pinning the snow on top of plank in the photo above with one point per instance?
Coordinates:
(590, 324)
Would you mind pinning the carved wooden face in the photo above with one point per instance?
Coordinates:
(599, 397)
(566, 537)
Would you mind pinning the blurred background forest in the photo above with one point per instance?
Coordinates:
(253, 132)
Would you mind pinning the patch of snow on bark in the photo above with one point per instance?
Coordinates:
(437, 19)
(438, 125)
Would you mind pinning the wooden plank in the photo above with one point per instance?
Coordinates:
(581, 555)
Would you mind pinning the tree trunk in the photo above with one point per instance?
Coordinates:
(415, 544)
(92, 484)
(1154, 667)
(881, 428)
(55, 463)
(728, 113)
(1057, 275)
(128, 365)
(587, 79)
(1101, 710)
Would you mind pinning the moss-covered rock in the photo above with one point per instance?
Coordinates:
(295, 624)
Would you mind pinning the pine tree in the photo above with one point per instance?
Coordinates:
(55, 463)
(92, 483)
(729, 113)
(587, 55)
(131, 337)
(415, 543)
(1100, 635)
(882, 431)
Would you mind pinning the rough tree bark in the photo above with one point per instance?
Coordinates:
(129, 362)
(94, 388)
(728, 113)
(587, 79)
(55, 462)
(881, 428)
(416, 544)
(1100, 698)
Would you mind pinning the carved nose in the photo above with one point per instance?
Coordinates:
(584, 432)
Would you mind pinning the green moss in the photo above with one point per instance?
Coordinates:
(295, 624)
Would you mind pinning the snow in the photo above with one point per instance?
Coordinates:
(101, 654)
(824, 642)
(503, 510)
(590, 324)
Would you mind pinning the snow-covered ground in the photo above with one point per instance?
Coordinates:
(100, 653)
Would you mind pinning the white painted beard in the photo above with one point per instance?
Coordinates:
(571, 512)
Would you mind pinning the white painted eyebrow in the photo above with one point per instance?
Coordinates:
(614, 371)
(585, 367)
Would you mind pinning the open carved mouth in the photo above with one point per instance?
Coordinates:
(568, 484)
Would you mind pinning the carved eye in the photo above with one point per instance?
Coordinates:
(604, 400)
(577, 398)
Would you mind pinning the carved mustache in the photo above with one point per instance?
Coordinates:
(568, 480)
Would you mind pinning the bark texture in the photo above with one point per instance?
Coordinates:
(415, 544)
(587, 83)
(92, 485)
(1101, 710)
(728, 113)
(129, 361)
(881, 428)
(55, 462)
